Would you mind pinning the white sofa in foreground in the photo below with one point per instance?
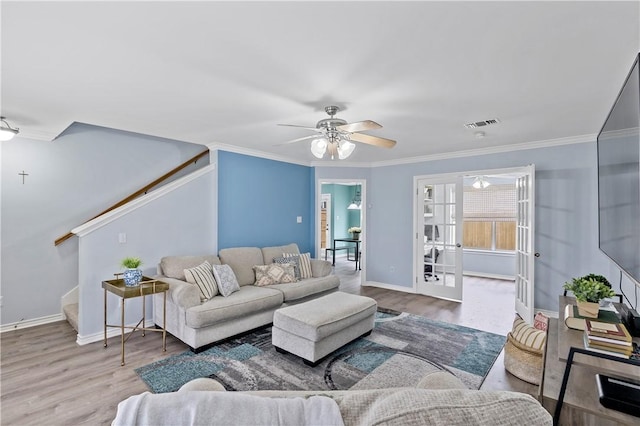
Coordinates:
(199, 324)
(439, 399)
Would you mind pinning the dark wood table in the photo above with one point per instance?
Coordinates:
(347, 240)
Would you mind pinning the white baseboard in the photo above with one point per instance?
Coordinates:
(550, 314)
(489, 275)
(111, 332)
(389, 286)
(31, 322)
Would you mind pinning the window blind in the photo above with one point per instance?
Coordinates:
(496, 203)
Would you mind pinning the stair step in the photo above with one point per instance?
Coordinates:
(71, 312)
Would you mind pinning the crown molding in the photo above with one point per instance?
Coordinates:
(491, 150)
(255, 153)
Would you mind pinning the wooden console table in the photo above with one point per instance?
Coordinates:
(146, 287)
(568, 388)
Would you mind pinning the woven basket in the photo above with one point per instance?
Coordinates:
(522, 361)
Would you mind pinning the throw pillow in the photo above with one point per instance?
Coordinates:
(226, 279)
(527, 335)
(305, 263)
(274, 273)
(202, 277)
(540, 321)
(295, 261)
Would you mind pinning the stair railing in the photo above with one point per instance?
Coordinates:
(139, 192)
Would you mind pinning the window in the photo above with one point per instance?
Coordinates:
(490, 217)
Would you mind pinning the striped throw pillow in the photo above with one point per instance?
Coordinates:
(305, 263)
(202, 277)
(528, 335)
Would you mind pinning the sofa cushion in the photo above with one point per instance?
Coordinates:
(202, 277)
(248, 300)
(308, 287)
(305, 263)
(242, 260)
(174, 266)
(270, 253)
(295, 261)
(274, 273)
(226, 279)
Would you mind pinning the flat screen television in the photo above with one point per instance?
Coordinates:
(619, 179)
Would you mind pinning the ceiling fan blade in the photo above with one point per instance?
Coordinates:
(359, 126)
(373, 140)
(315, 129)
(298, 140)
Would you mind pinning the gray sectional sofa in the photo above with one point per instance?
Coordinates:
(199, 324)
(438, 399)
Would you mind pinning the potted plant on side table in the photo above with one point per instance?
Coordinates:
(355, 232)
(132, 275)
(589, 291)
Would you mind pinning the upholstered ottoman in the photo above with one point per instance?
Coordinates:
(314, 329)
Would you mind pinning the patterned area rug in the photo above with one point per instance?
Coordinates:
(399, 351)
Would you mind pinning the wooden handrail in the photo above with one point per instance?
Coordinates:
(139, 192)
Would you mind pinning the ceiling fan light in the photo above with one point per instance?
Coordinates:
(345, 148)
(318, 147)
(6, 131)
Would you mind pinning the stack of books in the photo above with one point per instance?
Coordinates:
(608, 338)
(574, 320)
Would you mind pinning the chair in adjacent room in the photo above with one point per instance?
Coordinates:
(429, 260)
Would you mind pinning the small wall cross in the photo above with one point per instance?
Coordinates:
(23, 174)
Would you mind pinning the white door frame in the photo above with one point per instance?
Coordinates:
(524, 303)
(438, 288)
(326, 198)
(363, 218)
(530, 258)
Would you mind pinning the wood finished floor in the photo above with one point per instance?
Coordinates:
(46, 378)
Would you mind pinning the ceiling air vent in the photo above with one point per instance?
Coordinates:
(481, 123)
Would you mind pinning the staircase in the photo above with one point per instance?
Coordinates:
(71, 313)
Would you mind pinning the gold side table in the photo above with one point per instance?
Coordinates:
(146, 287)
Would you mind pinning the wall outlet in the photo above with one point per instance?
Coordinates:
(122, 238)
(299, 219)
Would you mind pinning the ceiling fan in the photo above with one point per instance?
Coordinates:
(336, 135)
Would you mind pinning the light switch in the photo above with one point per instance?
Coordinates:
(299, 219)
(122, 238)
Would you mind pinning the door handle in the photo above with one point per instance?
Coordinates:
(458, 245)
(537, 254)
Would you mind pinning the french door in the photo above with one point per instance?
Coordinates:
(525, 257)
(438, 237)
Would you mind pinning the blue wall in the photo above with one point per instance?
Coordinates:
(566, 214)
(259, 200)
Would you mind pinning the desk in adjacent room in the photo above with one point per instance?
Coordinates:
(346, 240)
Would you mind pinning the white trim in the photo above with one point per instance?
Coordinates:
(492, 150)
(488, 275)
(31, 322)
(111, 332)
(550, 314)
(389, 286)
(255, 153)
(363, 218)
(107, 218)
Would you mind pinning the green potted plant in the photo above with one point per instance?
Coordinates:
(589, 290)
(132, 275)
(355, 232)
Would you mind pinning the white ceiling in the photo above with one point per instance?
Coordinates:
(229, 72)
